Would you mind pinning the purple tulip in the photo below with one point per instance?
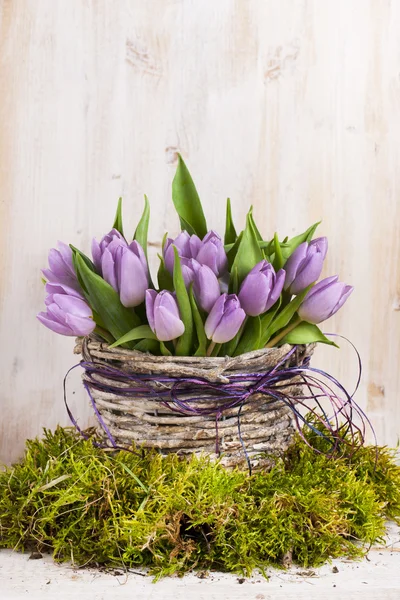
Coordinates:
(225, 319)
(67, 312)
(206, 287)
(163, 315)
(61, 267)
(190, 266)
(324, 299)
(114, 239)
(182, 244)
(304, 266)
(125, 269)
(209, 251)
(212, 253)
(261, 288)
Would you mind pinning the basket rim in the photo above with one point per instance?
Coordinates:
(94, 340)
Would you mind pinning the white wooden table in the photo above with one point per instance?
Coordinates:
(375, 577)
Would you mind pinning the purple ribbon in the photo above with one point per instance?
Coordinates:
(337, 422)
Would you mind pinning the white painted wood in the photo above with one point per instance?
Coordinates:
(374, 578)
(291, 105)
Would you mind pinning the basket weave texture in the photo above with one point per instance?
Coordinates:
(256, 431)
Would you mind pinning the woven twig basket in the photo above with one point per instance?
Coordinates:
(265, 426)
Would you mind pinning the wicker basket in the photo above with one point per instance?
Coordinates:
(242, 436)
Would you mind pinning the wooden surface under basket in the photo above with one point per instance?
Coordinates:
(266, 425)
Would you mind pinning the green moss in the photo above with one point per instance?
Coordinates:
(119, 508)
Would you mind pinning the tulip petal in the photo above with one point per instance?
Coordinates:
(229, 326)
(320, 305)
(277, 289)
(132, 279)
(79, 325)
(72, 305)
(53, 324)
(206, 288)
(151, 296)
(308, 272)
(108, 269)
(293, 262)
(168, 326)
(215, 316)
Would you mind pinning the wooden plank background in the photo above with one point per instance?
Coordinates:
(291, 105)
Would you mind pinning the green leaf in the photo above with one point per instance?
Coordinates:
(248, 253)
(164, 277)
(232, 251)
(103, 333)
(307, 333)
(291, 245)
(137, 333)
(143, 226)
(254, 226)
(152, 346)
(251, 337)
(230, 231)
(234, 281)
(105, 301)
(164, 350)
(187, 202)
(266, 318)
(86, 259)
(118, 218)
(184, 343)
(198, 322)
(278, 260)
(284, 316)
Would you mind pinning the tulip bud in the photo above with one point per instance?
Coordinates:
(225, 319)
(324, 299)
(206, 287)
(114, 237)
(125, 269)
(212, 253)
(67, 312)
(182, 244)
(163, 315)
(261, 288)
(61, 267)
(304, 266)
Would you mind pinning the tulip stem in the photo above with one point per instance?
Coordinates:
(210, 348)
(282, 333)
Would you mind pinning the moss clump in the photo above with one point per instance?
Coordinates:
(172, 515)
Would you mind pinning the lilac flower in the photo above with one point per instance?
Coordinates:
(261, 288)
(163, 315)
(304, 266)
(324, 299)
(225, 319)
(125, 269)
(61, 267)
(67, 312)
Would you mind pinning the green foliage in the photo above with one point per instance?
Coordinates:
(248, 251)
(172, 514)
(187, 202)
(142, 228)
(230, 231)
(105, 301)
(118, 218)
(184, 343)
(307, 333)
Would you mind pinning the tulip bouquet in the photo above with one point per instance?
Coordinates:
(213, 296)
